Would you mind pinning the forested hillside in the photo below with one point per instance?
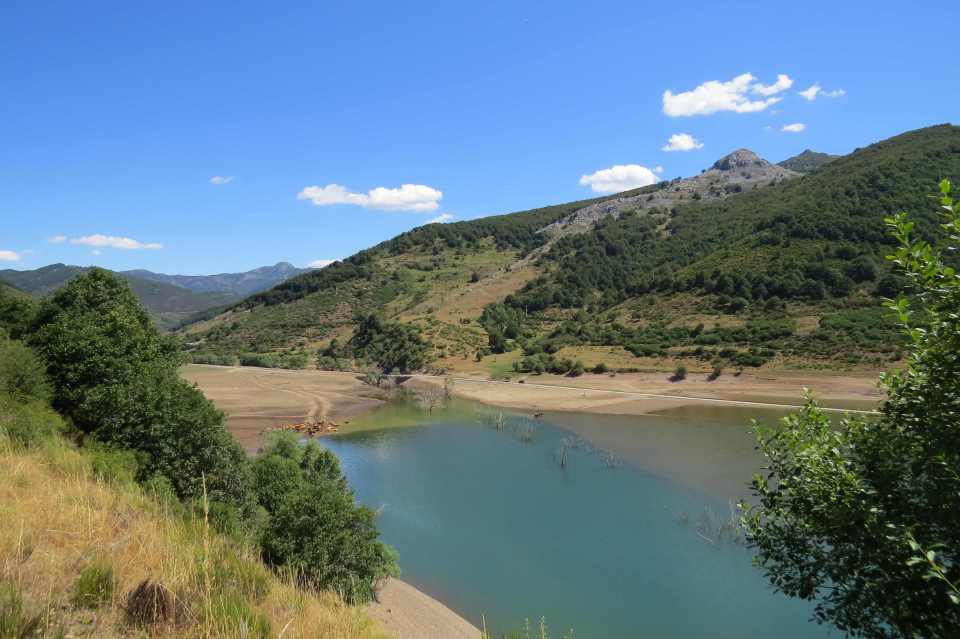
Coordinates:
(789, 272)
(170, 299)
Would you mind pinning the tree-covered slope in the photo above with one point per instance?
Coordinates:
(807, 161)
(792, 267)
(168, 304)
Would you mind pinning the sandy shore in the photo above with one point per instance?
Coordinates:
(256, 398)
(409, 614)
(643, 393)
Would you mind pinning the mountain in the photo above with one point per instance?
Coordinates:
(731, 174)
(170, 299)
(807, 161)
(169, 305)
(785, 270)
(240, 284)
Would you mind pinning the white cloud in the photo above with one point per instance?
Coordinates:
(683, 142)
(658, 169)
(442, 218)
(57, 239)
(810, 94)
(9, 256)
(112, 241)
(409, 197)
(321, 263)
(221, 179)
(621, 177)
(797, 127)
(96, 252)
(713, 96)
(782, 84)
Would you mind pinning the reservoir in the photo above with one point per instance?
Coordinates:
(615, 527)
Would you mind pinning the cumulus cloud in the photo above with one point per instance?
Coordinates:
(9, 256)
(713, 96)
(221, 179)
(621, 177)
(658, 169)
(57, 239)
(810, 94)
(408, 197)
(682, 142)
(442, 218)
(112, 241)
(796, 127)
(321, 263)
(782, 84)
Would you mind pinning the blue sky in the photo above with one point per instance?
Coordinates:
(115, 117)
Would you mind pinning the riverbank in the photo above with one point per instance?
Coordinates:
(258, 398)
(644, 393)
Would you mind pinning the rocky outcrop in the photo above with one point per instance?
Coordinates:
(733, 173)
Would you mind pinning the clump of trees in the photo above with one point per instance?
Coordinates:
(393, 346)
(92, 350)
(864, 518)
(315, 526)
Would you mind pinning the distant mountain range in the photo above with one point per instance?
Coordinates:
(240, 284)
(807, 161)
(170, 299)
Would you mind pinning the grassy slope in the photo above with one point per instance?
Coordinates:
(59, 519)
(424, 275)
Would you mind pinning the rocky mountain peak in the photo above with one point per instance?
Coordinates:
(739, 159)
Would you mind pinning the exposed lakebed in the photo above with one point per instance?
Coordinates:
(622, 545)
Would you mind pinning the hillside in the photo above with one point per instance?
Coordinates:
(86, 550)
(807, 161)
(170, 299)
(792, 277)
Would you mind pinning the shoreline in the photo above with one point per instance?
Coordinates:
(255, 398)
(645, 393)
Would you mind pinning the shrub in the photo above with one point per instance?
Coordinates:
(26, 425)
(679, 373)
(115, 466)
(22, 374)
(600, 368)
(94, 587)
(14, 620)
(212, 359)
(314, 527)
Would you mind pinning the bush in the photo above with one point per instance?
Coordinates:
(114, 466)
(600, 369)
(26, 425)
(22, 374)
(314, 527)
(679, 373)
(94, 587)
(212, 359)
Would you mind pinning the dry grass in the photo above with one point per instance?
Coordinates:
(58, 520)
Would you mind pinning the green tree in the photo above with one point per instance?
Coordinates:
(116, 377)
(17, 311)
(314, 526)
(864, 518)
(94, 333)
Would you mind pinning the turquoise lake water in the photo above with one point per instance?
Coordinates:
(498, 530)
